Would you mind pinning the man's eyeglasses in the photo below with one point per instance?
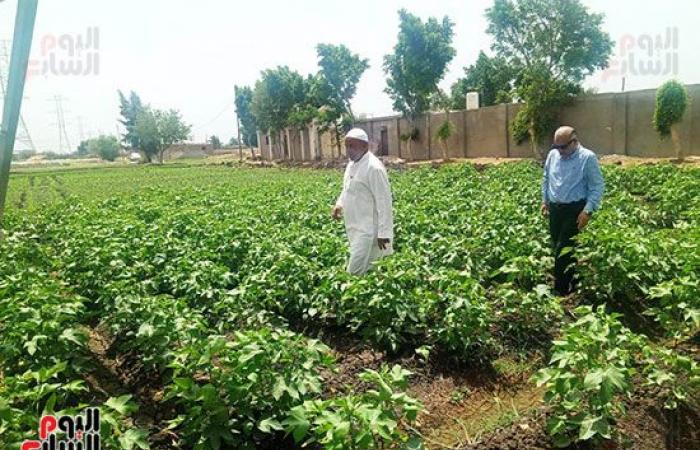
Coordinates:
(562, 146)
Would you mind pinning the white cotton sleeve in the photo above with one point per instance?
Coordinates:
(341, 197)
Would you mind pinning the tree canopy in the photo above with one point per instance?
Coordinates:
(244, 111)
(491, 77)
(334, 87)
(157, 130)
(275, 96)
(671, 103)
(552, 45)
(417, 64)
(129, 109)
(106, 147)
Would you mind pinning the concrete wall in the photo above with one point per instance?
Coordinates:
(613, 123)
(188, 150)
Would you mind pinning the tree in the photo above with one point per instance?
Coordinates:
(215, 142)
(130, 108)
(275, 98)
(157, 130)
(417, 64)
(446, 128)
(83, 149)
(543, 95)
(244, 111)
(233, 141)
(553, 45)
(334, 87)
(671, 103)
(106, 147)
(492, 78)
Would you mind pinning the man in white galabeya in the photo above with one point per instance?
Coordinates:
(366, 205)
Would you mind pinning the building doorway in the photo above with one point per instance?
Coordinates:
(383, 142)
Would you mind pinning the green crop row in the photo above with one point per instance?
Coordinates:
(201, 272)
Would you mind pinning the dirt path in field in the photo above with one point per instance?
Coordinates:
(117, 375)
(461, 403)
(495, 407)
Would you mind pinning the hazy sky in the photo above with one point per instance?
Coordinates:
(188, 55)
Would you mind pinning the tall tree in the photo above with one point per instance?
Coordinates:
(157, 130)
(492, 78)
(215, 142)
(417, 64)
(334, 87)
(553, 45)
(244, 111)
(130, 108)
(275, 98)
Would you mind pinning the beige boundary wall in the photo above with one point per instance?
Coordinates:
(614, 123)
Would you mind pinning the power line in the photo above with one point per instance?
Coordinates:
(229, 103)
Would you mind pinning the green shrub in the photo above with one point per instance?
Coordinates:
(227, 388)
(590, 370)
(367, 421)
(671, 103)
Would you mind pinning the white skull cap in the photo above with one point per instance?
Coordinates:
(357, 133)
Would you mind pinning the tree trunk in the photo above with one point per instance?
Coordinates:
(533, 142)
(411, 129)
(676, 139)
(337, 141)
(444, 143)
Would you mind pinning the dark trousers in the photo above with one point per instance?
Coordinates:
(562, 229)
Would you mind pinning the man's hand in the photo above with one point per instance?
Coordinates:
(582, 220)
(544, 209)
(382, 243)
(337, 212)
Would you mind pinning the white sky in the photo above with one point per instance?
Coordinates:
(188, 55)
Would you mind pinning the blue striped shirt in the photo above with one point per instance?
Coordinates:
(572, 178)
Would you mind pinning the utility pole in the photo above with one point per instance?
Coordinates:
(21, 45)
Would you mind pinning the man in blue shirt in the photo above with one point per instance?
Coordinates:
(572, 189)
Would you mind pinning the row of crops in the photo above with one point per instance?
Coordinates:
(217, 279)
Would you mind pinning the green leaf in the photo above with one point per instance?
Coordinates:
(593, 379)
(588, 427)
(279, 388)
(145, 330)
(297, 423)
(122, 404)
(269, 424)
(133, 438)
(614, 376)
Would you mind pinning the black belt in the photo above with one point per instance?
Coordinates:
(563, 205)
